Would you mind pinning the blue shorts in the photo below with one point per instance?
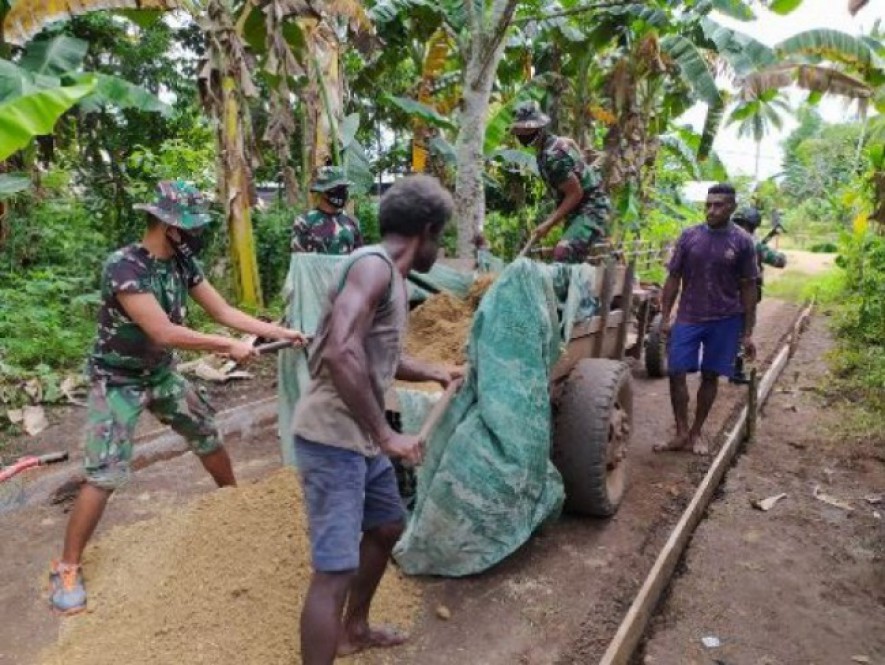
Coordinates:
(345, 494)
(712, 345)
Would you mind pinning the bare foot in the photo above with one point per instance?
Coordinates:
(698, 444)
(370, 638)
(677, 443)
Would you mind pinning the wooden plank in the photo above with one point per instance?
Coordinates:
(626, 306)
(605, 307)
(594, 324)
(630, 632)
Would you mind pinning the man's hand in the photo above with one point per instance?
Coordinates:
(298, 338)
(407, 447)
(543, 229)
(666, 324)
(445, 374)
(241, 352)
(749, 346)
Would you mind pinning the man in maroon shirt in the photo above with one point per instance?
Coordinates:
(714, 265)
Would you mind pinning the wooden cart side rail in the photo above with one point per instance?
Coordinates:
(632, 628)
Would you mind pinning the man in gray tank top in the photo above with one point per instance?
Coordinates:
(342, 439)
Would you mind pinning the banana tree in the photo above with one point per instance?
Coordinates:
(47, 79)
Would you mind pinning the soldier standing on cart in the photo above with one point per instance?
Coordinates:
(575, 185)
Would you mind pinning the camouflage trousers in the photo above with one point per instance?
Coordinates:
(113, 414)
(583, 230)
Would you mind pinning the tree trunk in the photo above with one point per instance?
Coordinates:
(484, 52)
(470, 200)
(756, 167)
(235, 193)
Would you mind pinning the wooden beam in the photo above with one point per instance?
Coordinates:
(620, 649)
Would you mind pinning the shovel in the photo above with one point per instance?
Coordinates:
(273, 347)
(29, 462)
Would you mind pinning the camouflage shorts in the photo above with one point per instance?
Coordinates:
(581, 232)
(114, 411)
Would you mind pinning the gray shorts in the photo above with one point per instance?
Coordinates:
(345, 494)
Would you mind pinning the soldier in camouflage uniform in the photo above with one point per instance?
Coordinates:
(144, 291)
(328, 229)
(572, 182)
(749, 220)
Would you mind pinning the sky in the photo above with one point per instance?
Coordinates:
(769, 28)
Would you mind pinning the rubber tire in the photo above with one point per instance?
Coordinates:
(656, 350)
(581, 435)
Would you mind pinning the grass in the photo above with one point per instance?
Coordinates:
(799, 287)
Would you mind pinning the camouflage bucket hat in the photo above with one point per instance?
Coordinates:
(178, 204)
(529, 115)
(329, 177)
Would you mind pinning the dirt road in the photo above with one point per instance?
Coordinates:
(558, 599)
(805, 582)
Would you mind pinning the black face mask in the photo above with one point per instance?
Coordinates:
(189, 245)
(337, 197)
(527, 139)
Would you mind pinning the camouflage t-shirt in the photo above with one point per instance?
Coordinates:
(557, 160)
(123, 352)
(324, 233)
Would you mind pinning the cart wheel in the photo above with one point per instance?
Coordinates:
(656, 350)
(591, 434)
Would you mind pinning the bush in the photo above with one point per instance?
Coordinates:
(50, 270)
(273, 237)
(824, 248)
(366, 211)
(859, 362)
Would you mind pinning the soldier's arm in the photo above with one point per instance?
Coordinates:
(224, 313)
(572, 195)
(773, 258)
(147, 314)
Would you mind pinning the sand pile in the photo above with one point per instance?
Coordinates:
(439, 327)
(219, 581)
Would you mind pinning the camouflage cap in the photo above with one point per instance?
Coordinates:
(748, 218)
(178, 204)
(329, 177)
(528, 115)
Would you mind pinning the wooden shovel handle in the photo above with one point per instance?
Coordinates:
(436, 413)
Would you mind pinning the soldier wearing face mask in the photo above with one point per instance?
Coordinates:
(142, 321)
(328, 229)
(572, 183)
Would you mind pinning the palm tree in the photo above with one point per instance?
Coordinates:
(756, 114)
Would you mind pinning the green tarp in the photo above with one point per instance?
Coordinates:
(487, 482)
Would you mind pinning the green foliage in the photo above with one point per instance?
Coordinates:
(366, 211)
(855, 295)
(35, 114)
(693, 68)
(863, 259)
(273, 237)
(784, 6)
(49, 273)
(824, 248)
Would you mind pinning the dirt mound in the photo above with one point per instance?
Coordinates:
(220, 581)
(439, 327)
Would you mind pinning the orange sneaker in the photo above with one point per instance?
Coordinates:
(68, 593)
